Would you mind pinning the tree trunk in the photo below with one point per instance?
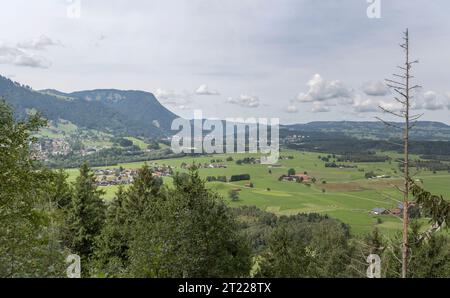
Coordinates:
(406, 168)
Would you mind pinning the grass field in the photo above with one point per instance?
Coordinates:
(346, 195)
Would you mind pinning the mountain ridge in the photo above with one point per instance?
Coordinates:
(138, 114)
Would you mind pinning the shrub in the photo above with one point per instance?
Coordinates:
(239, 177)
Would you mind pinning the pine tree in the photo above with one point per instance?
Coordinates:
(190, 234)
(85, 216)
(29, 245)
(111, 246)
(62, 193)
(145, 190)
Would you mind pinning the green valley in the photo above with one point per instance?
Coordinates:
(342, 193)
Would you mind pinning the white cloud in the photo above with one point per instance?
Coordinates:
(320, 107)
(247, 101)
(447, 96)
(204, 90)
(428, 101)
(39, 43)
(365, 105)
(375, 88)
(322, 90)
(16, 56)
(163, 94)
(182, 107)
(179, 100)
(421, 101)
(392, 105)
(291, 109)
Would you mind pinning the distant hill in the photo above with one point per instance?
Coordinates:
(142, 106)
(423, 130)
(139, 114)
(134, 113)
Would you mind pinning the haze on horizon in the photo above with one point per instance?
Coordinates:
(296, 60)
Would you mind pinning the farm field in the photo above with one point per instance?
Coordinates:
(342, 193)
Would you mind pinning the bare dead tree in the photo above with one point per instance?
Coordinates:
(402, 88)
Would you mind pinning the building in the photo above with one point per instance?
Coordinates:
(303, 177)
(396, 211)
(378, 211)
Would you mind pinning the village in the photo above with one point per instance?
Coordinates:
(122, 176)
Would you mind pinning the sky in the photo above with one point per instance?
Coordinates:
(296, 60)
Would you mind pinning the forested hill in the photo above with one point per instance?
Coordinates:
(423, 130)
(135, 113)
(138, 113)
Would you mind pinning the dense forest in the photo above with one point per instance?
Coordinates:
(184, 230)
(341, 144)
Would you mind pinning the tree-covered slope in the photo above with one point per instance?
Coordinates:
(134, 113)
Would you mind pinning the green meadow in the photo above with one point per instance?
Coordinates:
(344, 193)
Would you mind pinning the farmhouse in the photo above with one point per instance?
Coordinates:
(396, 211)
(378, 211)
(296, 178)
(303, 177)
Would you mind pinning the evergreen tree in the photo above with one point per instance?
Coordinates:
(285, 257)
(85, 216)
(29, 244)
(123, 215)
(430, 257)
(318, 249)
(191, 234)
(111, 246)
(145, 190)
(62, 193)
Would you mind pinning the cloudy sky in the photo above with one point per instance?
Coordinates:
(298, 60)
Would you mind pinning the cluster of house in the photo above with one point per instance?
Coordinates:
(294, 139)
(108, 177)
(50, 147)
(398, 211)
(204, 166)
(300, 178)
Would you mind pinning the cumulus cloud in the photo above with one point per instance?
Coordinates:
(39, 43)
(291, 109)
(375, 88)
(322, 90)
(428, 100)
(204, 90)
(247, 101)
(320, 107)
(368, 105)
(179, 100)
(447, 95)
(391, 105)
(16, 56)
